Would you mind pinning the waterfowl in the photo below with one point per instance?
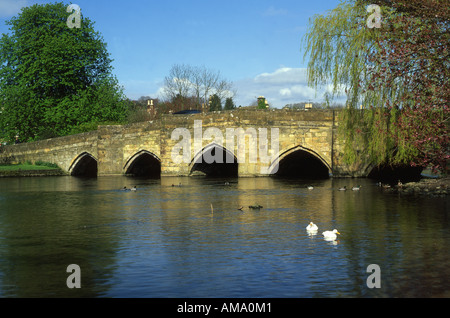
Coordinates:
(241, 208)
(312, 227)
(386, 185)
(310, 187)
(133, 188)
(330, 235)
(255, 207)
(343, 188)
(399, 184)
(356, 188)
(124, 189)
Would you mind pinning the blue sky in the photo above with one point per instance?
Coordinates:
(256, 44)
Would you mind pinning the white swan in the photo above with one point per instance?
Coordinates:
(330, 235)
(312, 227)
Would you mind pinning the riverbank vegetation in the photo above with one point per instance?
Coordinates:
(424, 187)
(55, 80)
(28, 169)
(24, 167)
(396, 77)
(38, 165)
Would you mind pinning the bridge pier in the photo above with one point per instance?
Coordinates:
(110, 150)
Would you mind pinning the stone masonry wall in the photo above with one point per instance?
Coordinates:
(61, 151)
(314, 131)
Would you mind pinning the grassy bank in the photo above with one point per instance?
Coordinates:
(22, 167)
(30, 170)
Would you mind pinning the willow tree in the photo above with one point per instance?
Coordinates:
(338, 46)
(379, 75)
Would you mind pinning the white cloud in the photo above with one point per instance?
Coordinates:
(9, 8)
(304, 91)
(283, 86)
(285, 92)
(340, 89)
(283, 75)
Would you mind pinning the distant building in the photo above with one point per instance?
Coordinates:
(262, 101)
(151, 109)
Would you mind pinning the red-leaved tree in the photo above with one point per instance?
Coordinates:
(413, 75)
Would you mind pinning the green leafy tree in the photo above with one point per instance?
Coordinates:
(398, 73)
(413, 79)
(338, 46)
(54, 78)
(229, 104)
(215, 103)
(262, 103)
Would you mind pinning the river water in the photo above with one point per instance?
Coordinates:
(191, 240)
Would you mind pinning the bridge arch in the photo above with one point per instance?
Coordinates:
(143, 164)
(392, 174)
(299, 161)
(84, 165)
(215, 160)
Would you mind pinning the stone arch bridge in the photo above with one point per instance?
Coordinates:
(235, 143)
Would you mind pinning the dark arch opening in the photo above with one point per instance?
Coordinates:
(216, 161)
(144, 165)
(86, 166)
(391, 174)
(302, 164)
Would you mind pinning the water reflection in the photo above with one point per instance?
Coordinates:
(191, 239)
